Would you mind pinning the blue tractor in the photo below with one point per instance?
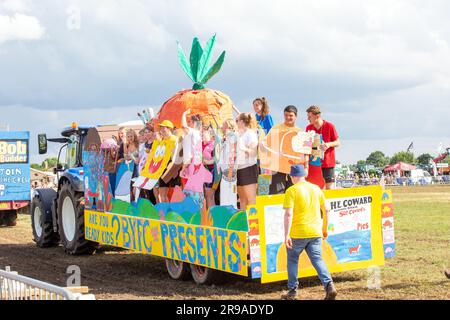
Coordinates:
(58, 215)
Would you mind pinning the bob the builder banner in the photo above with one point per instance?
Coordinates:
(354, 234)
(14, 166)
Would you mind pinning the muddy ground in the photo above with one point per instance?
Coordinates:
(119, 274)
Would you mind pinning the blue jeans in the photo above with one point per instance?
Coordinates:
(313, 247)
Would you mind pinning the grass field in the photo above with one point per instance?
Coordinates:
(422, 231)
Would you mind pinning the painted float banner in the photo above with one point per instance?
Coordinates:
(14, 166)
(354, 234)
(210, 247)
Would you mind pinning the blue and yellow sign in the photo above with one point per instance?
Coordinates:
(354, 234)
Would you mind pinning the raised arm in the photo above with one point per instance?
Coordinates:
(236, 109)
(184, 123)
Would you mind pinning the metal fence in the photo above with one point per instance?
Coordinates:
(16, 287)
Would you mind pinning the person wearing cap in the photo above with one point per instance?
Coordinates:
(304, 228)
(331, 141)
(166, 131)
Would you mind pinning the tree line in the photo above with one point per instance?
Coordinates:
(379, 160)
(46, 165)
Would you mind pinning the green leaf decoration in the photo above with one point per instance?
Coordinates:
(198, 69)
(196, 55)
(206, 57)
(184, 64)
(214, 69)
(198, 86)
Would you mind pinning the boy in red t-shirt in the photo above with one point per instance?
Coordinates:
(331, 141)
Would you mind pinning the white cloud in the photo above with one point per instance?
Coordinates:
(13, 5)
(20, 27)
(379, 69)
(377, 40)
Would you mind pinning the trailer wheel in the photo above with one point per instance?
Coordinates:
(178, 270)
(2, 218)
(71, 221)
(10, 218)
(43, 233)
(204, 275)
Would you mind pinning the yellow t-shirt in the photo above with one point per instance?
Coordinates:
(305, 198)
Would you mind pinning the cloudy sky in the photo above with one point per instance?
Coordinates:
(379, 69)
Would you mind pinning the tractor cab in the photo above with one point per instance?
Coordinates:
(70, 153)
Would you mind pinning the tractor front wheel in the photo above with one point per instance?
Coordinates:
(43, 233)
(71, 221)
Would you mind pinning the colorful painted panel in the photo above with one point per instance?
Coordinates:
(211, 247)
(254, 242)
(185, 211)
(354, 233)
(264, 181)
(94, 176)
(387, 222)
(123, 180)
(14, 166)
(280, 150)
(157, 162)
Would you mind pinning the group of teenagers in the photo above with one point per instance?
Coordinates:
(194, 165)
(196, 155)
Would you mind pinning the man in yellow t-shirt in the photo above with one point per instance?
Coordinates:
(304, 229)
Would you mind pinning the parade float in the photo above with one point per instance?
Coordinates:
(210, 242)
